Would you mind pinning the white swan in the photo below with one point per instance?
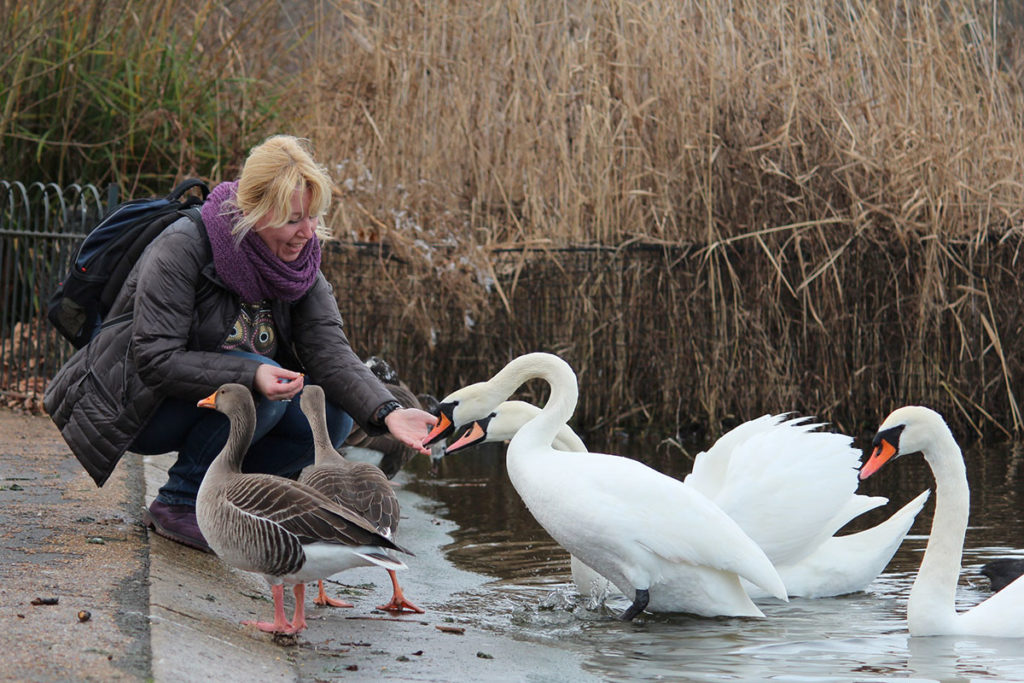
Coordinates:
(655, 539)
(791, 512)
(931, 608)
(501, 425)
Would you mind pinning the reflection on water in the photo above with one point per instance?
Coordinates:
(858, 637)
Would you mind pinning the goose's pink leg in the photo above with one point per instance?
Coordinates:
(323, 599)
(280, 624)
(299, 618)
(398, 602)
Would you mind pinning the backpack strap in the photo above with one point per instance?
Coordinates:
(186, 185)
(131, 256)
(196, 215)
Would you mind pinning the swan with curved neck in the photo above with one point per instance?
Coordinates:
(501, 425)
(662, 543)
(931, 607)
(791, 513)
(288, 532)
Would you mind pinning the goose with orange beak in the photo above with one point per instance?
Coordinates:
(284, 530)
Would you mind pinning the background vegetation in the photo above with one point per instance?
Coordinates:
(711, 209)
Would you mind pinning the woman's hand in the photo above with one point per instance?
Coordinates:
(411, 426)
(277, 384)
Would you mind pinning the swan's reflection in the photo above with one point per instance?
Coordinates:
(962, 658)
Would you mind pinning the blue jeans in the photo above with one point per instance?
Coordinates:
(282, 443)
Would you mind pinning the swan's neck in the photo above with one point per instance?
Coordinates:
(542, 429)
(518, 371)
(933, 596)
(243, 425)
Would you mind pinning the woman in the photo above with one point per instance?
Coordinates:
(238, 299)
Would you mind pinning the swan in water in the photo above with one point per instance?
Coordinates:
(776, 510)
(501, 425)
(664, 544)
(931, 607)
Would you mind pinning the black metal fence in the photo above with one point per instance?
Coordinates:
(41, 226)
(664, 336)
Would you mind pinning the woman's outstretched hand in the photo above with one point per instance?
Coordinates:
(277, 384)
(411, 426)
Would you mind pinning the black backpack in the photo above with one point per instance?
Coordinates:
(106, 256)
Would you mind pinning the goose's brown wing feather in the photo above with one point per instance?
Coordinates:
(360, 486)
(404, 395)
(302, 511)
(394, 453)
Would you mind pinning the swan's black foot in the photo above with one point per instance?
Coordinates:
(643, 596)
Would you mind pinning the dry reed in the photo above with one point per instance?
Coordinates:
(832, 178)
(792, 205)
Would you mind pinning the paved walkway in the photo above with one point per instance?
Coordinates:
(158, 609)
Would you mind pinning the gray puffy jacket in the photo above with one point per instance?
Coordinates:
(161, 338)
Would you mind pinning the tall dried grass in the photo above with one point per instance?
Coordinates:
(832, 190)
(814, 166)
(135, 93)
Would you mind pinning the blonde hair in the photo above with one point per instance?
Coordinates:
(273, 171)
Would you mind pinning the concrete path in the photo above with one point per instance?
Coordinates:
(161, 610)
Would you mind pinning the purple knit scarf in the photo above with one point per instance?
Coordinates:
(249, 268)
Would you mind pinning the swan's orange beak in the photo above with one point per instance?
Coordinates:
(445, 424)
(882, 454)
(208, 402)
(441, 429)
(475, 434)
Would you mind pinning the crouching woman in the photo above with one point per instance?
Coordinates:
(239, 298)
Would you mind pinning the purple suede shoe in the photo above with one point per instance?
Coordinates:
(176, 522)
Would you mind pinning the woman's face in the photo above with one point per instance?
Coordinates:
(287, 241)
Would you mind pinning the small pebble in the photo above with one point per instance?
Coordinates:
(84, 615)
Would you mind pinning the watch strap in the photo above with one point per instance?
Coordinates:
(385, 409)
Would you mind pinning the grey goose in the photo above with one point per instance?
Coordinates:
(286, 531)
(358, 485)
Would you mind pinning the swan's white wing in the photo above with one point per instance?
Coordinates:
(1001, 615)
(593, 502)
(785, 484)
(854, 507)
(847, 564)
(710, 468)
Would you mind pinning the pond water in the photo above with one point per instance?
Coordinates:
(860, 637)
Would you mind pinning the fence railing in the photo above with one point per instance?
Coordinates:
(670, 336)
(41, 226)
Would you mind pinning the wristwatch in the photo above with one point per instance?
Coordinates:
(385, 409)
